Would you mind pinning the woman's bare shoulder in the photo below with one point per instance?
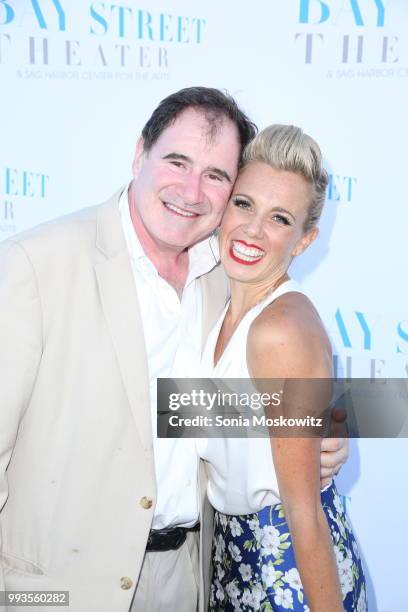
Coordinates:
(288, 338)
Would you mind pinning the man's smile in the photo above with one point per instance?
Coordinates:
(181, 212)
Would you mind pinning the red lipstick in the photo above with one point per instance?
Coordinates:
(244, 261)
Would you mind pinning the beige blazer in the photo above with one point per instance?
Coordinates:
(77, 481)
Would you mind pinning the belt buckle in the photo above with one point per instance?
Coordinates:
(180, 539)
(166, 539)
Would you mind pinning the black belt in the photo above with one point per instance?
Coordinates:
(168, 539)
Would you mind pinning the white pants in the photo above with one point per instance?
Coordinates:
(169, 579)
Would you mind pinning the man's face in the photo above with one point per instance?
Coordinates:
(181, 186)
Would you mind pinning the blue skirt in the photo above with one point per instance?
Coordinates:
(254, 565)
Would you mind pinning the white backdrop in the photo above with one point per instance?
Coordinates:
(80, 78)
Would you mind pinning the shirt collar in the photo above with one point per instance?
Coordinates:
(203, 256)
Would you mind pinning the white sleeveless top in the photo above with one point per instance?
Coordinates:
(241, 475)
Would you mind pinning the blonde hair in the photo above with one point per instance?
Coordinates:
(287, 147)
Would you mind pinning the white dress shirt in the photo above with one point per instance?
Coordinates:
(173, 338)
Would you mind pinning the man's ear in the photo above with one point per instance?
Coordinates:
(305, 241)
(137, 161)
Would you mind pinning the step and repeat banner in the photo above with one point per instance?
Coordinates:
(78, 81)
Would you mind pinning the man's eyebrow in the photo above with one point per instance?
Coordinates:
(213, 169)
(178, 156)
(220, 172)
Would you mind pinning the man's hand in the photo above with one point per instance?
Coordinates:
(338, 422)
(334, 452)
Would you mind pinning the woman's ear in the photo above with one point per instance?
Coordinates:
(305, 241)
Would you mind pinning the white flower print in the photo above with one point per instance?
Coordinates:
(362, 603)
(219, 548)
(338, 504)
(258, 534)
(246, 597)
(342, 530)
(338, 554)
(335, 534)
(232, 590)
(338, 521)
(254, 568)
(234, 552)
(235, 527)
(223, 520)
(284, 598)
(270, 541)
(346, 586)
(237, 605)
(253, 524)
(246, 571)
(293, 579)
(356, 550)
(220, 572)
(212, 598)
(268, 575)
(347, 523)
(346, 576)
(257, 595)
(219, 593)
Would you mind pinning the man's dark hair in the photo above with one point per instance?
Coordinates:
(212, 102)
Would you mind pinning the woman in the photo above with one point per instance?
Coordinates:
(279, 543)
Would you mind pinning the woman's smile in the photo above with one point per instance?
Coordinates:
(244, 253)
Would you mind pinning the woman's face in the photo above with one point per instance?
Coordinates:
(262, 228)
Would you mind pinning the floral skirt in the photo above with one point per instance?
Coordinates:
(254, 565)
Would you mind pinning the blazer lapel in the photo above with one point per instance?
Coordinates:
(121, 308)
(215, 292)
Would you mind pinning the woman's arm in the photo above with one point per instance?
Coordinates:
(288, 341)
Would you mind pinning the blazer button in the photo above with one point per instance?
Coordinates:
(126, 583)
(146, 503)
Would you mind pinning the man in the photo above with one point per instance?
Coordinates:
(93, 308)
